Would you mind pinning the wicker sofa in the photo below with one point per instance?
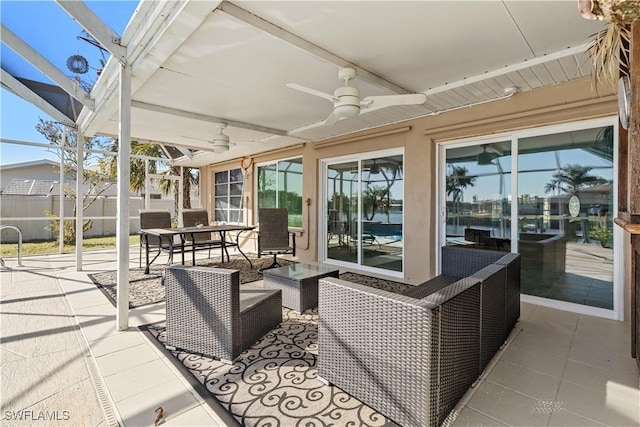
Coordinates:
(412, 356)
(208, 313)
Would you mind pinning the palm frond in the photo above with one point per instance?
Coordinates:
(609, 51)
(610, 47)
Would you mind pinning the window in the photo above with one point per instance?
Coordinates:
(228, 196)
(280, 186)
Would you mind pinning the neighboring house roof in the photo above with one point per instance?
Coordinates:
(43, 187)
(30, 164)
(32, 187)
(33, 182)
(601, 188)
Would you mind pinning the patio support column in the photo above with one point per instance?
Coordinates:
(79, 211)
(181, 195)
(122, 224)
(147, 185)
(63, 144)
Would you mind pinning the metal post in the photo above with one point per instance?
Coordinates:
(180, 196)
(61, 190)
(147, 185)
(122, 223)
(79, 212)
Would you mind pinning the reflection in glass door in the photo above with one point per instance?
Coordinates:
(364, 211)
(478, 196)
(565, 221)
(342, 201)
(559, 218)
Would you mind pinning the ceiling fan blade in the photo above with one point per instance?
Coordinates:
(332, 119)
(196, 139)
(312, 92)
(391, 100)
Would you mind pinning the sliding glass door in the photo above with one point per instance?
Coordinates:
(565, 221)
(363, 211)
(548, 195)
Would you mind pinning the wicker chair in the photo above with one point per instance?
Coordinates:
(274, 236)
(208, 314)
(157, 219)
(199, 241)
(413, 356)
(477, 236)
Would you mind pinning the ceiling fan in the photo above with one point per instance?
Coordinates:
(485, 157)
(346, 99)
(220, 142)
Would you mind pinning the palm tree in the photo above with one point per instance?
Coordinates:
(373, 198)
(571, 178)
(456, 182)
(138, 177)
(191, 178)
(396, 173)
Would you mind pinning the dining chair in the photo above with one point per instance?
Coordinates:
(274, 237)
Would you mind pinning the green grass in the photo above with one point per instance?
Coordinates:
(51, 247)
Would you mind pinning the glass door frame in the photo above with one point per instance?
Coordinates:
(619, 248)
(323, 217)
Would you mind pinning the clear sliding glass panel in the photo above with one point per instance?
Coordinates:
(290, 189)
(267, 186)
(478, 196)
(280, 186)
(342, 209)
(381, 224)
(565, 206)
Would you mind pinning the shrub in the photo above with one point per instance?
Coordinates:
(602, 234)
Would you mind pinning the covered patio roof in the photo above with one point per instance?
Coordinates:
(183, 72)
(198, 64)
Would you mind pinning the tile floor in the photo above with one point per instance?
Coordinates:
(557, 369)
(588, 279)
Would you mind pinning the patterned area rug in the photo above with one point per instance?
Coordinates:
(146, 289)
(274, 382)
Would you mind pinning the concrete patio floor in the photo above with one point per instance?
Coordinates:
(62, 358)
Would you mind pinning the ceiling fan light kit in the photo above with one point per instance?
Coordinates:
(220, 141)
(348, 104)
(220, 146)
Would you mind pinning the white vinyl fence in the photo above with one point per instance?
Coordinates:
(28, 214)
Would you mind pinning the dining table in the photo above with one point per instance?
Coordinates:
(188, 241)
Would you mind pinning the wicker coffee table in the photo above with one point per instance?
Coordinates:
(298, 283)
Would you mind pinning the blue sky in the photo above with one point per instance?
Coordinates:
(51, 32)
